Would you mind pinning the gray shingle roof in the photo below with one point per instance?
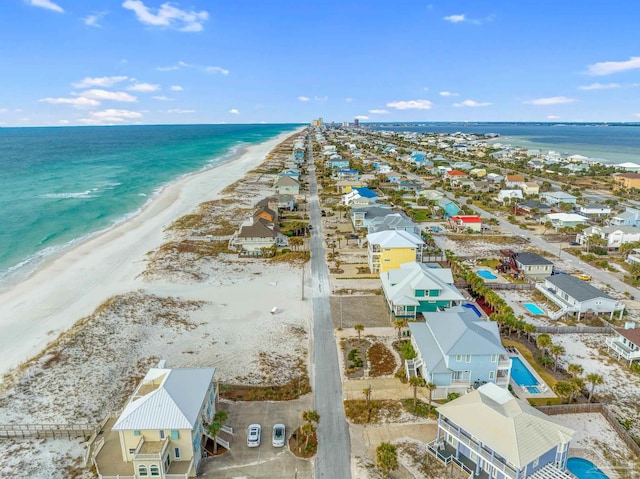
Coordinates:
(532, 259)
(576, 288)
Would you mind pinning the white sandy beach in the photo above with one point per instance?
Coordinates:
(65, 289)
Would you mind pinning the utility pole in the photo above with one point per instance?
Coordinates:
(302, 286)
(340, 311)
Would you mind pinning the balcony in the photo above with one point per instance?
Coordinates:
(504, 362)
(150, 450)
(622, 350)
(474, 445)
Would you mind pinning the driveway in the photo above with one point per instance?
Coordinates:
(265, 461)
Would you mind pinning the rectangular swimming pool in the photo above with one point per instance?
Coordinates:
(533, 308)
(522, 376)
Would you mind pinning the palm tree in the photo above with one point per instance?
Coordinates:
(416, 382)
(577, 383)
(367, 396)
(386, 458)
(575, 369)
(547, 361)
(399, 323)
(308, 429)
(430, 387)
(529, 329)
(296, 242)
(219, 418)
(563, 388)
(556, 351)
(543, 341)
(359, 327)
(594, 379)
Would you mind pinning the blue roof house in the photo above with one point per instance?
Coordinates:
(449, 207)
(338, 163)
(456, 350)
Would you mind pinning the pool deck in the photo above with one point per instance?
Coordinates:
(521, 391)
(499, 279)
(541, 313)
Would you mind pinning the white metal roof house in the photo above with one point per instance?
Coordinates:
(556, 197)
(417, 288)
(508, 194)
(456, 350)
(575, 296)
(615, 236)
(160, 431)
(562, 220)
(500, 436)
(389, 249)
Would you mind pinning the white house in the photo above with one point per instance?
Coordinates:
(616, 236)
(625, 343)
(508, 194)
(563, 220)
(554, 198)
(594, 209)
(575, 296)
(530, 188)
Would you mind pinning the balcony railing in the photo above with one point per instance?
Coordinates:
(504, 362)
(156, 456)
(621, 349)
(473, 445)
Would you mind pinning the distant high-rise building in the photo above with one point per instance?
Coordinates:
(345, 124)
(356, 123)
(317, 123)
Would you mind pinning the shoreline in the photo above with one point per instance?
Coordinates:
(70, 286)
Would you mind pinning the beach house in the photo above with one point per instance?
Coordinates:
(554, 198)
(564, 220)
(287, 184)
(498, 436)
(360, 197)
(530, 188)
(575, 296)
(256, 234)
(457, 350)
(389, 249)
(625, 343)
(533, 266)
(415, 288)
(363, 216)
(466, 223)
(394, 221)
(593, 210)
(161, 432)
(509, 195)
(513, 181)
(627, 181)
(629, 217)
(615, 236)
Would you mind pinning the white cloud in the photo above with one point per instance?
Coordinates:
(99, 95)
(607, 68)
(176, 88)
(599, 86)
(362, 117)
(144, 87)
(378, 111)
(79, 102)
(88, 82)
(93, 19)
(637, 114)
(552, 117)
(221, 70)
(168, 16)
(320, 98)
(348, 100)
(178, 110)
(4, 110)
(410, 105)
(234, 111)
(448, 93)
(48, 4)
(168, 69)
(304, 98)
(455, 18)
(471, 103)
(64, 122)
(111, 116)
(162, 98)
(554, 100)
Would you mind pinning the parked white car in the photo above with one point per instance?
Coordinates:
(279, 435)
(254, 431)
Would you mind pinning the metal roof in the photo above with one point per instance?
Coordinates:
(576, 288)
(532, 259)
(167, 399)
(395, 239)
(511, 427)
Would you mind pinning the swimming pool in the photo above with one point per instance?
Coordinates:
(584, 469)
(483, 273)
(522, 376)
(533, 308)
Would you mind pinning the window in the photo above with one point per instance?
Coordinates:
(494, 358)
(176, 453)
(131, 451)
(459, 357)
(536, 462)
(419, 292)
(136, 432)
(142, 470)
(154, 470)
(161, 433)
(175, 434)
(492, 374)
(468, 358)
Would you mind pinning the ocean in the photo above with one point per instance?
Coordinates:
(610, 143)
(59, 186)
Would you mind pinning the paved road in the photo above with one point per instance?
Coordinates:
(333, 460)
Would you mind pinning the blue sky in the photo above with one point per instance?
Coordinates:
(79, 62)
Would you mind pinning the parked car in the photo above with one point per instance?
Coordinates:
(583, 277)
(574, 243)
(254, 431)
(310, 227)
(353, 236)
(279, 435)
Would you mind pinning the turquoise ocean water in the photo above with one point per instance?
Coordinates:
(60, 185)
(612, 143)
